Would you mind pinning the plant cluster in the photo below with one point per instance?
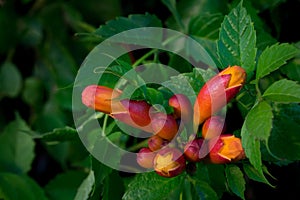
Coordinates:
(195, 144)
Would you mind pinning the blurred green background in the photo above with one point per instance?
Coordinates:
(42, 45)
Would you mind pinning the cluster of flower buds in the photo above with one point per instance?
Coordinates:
(215, 146)
(168, 160)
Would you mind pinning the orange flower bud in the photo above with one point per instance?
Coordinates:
(213, 127)
(145, 158)
(101, 98)
(217, 92)
(225, 149)
(165, 126)
(169, 162)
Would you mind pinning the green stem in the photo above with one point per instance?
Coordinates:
(138, 145)
(144, 57)
(104, 125)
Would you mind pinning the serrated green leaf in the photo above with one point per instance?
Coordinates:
(206, 25)
(189, 83)
(16, 147)
(64, 186)
(10, 80)
(236, 181)
(292, 69)
(210, 47)
(255, 175)
(284, 141)
(121, 24)
(236, 44)
(86, 187)
(274, 57)
(251, 146)
(204, 191)
(15, 187)
(151, 187)
(259, 121)
(283, 91)
(61, 135)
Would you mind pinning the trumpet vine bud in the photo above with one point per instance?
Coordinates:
(213, 127)
(192, 150)
(165, 126)
(169, 162)
(101, 98)
(135, 113)
(217, 92)
(182, 107)
(155, 143)
(225, 149)
(145, 158)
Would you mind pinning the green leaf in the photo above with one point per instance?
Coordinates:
(251, 146)
(61, 135)
(236, 44)
(189, 83)
(172, 6)
(259, 121)
(150, 186)
(86, 187)
(64, 186)
(283, 91)
(188, 9)
(16, 147)
(15, 187)
(101, 172)
(154, 96)
(113, 187)
(255, 175)
(33, 92)
(121, 24)
(10, 80)
(292, 69)
(210, 47)
(284, 141)
(236, 181)
(257, 126)
(214, 175)
(204, 191)
(274, 57)
(206, 25)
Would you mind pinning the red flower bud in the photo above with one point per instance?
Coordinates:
(169, 162)
(192, 150)
(155, 143)
(145, 158)
(135, 114)
(225, 149)
(217, 92)
(101, 98)
(182, 107)
(213, 127)
(165, 126)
